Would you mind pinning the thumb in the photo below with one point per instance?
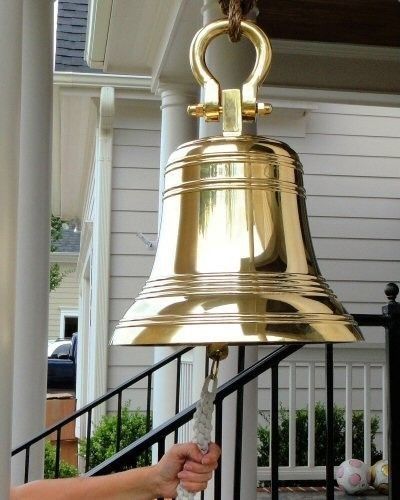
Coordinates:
(212, 456)
(188, 451)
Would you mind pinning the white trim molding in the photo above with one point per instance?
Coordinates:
(98, 26)
(86, 248)
(99, 80)
(66, 313)
(98, 341)
(342, 50)
(307, 98)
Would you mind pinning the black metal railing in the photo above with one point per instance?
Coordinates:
(87, 411)
(159, 435)
(390, 319)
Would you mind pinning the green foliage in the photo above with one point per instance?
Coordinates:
(56, 275)
(66, 469)
(320, 433)
(55, 232)
(104, 438)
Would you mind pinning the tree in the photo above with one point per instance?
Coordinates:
(56, 275)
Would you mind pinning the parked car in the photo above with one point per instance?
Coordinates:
(58, 347)
(61, 370)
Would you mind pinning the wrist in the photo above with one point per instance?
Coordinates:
(156, 482)
(142, 483)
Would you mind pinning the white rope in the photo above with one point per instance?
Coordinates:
(202, 424)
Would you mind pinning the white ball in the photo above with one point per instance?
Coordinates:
(353, 476)
(380, 476)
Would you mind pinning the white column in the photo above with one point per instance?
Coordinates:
(99, 337)
(231, 64)
(177, 127)
(32, 281)
(10, 91)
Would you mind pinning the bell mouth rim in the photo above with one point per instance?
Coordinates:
(249, 343)
(205, 334)
(238, 318)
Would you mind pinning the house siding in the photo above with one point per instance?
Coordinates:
(66, 296)
(350, 156)
(135, 180)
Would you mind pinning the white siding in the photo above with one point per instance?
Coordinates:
(135, 180)
(66, 296)
(351, 160)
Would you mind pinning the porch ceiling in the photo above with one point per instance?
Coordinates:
(361, 22)
(333, 44)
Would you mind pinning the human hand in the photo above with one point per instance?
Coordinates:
(186, 464)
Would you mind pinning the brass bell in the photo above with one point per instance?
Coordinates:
(235, 262)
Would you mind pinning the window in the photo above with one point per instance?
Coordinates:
(68, 323)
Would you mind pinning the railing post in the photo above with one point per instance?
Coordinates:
(330, 459)
(391, 312)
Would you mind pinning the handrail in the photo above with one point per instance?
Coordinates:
(370, 319)
(88, 407)
(124, 457)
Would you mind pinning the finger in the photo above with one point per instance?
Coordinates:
(199, 468)
(188, 451)
(194, 476)
(213, 454)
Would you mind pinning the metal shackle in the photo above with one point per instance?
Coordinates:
(212, 102)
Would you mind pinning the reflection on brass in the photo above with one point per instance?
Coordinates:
(232, 113)
(235, 262)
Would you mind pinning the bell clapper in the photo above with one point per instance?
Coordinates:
(217, 353)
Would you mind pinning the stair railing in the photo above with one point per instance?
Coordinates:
(128, 456)
(88, 409)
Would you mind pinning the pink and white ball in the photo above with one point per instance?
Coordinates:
(353, 476)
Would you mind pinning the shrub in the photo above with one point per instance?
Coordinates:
(66, 469)
(104, 438)
(320, 432)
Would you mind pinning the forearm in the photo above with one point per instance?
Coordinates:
(140, 484)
